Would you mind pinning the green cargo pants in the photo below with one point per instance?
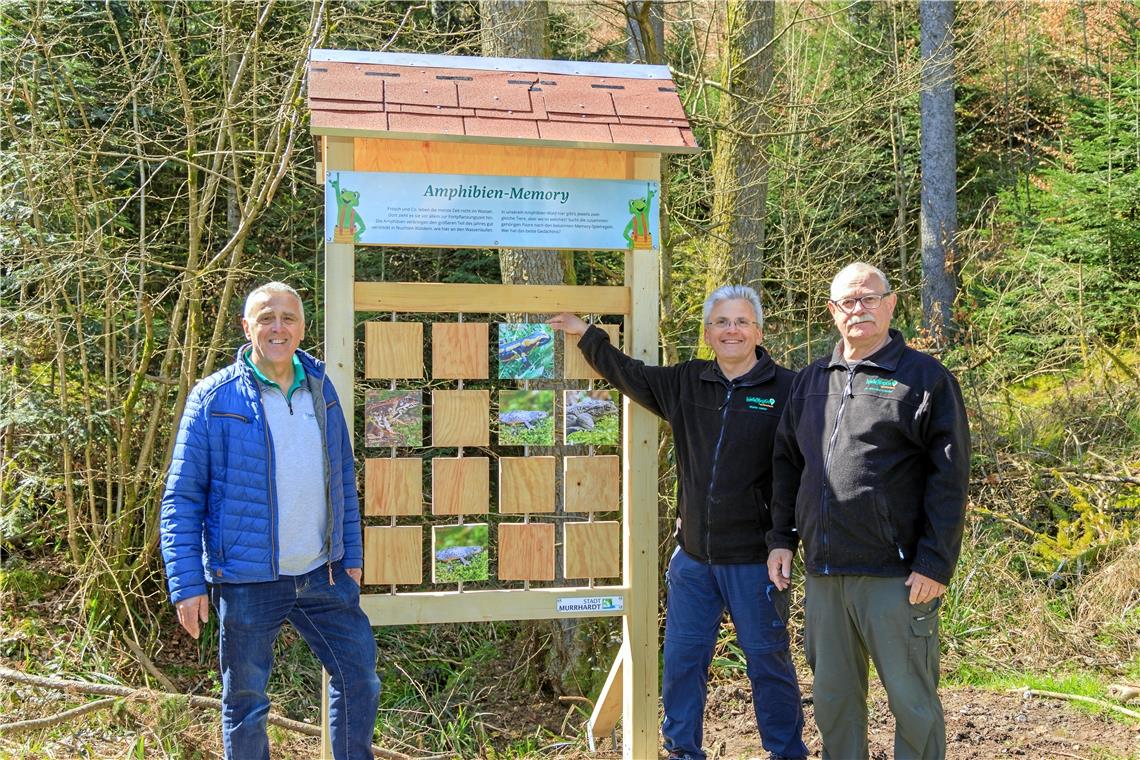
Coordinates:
(849, 618)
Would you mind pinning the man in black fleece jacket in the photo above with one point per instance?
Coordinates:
(724, 415)
(871, 471)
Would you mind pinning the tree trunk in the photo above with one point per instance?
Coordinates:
(740, 165)
(645, 20)
(518, 29)
(939, 168)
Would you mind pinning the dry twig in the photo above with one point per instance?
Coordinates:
(148, 695)
(1025, 691)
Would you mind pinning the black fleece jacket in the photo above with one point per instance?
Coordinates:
(872, 466)
(723, 431)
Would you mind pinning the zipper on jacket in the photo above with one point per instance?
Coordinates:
(712, 474)
(824, 511)
(272, 487)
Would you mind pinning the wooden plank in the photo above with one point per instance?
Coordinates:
(416, 608)
(435, 157)
(460, 418)
(607, 708)
(393, 350)
(393, 555)
(340, 337)
(340, 274)
(459, 351)
(526, 551)
(591, 483)
(393, 487)
(526, 484)
(440, 298)
(639, 523)
(460, 485)
(576, 366)
(592, 549)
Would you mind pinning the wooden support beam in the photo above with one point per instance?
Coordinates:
(340, 328)
(639, 689)
(437, 298)
(485, 606)
(607, 709)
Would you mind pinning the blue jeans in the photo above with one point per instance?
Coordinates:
(330, 620)
(698, 597)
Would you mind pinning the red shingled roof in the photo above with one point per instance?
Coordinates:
(586, 105)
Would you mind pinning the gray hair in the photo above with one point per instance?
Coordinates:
(734, 293)
(271, 287)
(860, 267)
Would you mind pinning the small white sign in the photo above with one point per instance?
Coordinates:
(590, 604)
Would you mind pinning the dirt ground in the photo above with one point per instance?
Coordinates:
(980, 725)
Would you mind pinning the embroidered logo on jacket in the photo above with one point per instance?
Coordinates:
(759, 402)
(880, 385)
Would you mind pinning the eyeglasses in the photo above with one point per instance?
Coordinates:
(723, 323)
(869, 301)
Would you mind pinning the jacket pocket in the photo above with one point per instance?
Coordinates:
(886, 526)
(231, 415)
(922, 648)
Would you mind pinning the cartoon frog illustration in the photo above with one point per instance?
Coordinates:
(637, 231)
(349, 225)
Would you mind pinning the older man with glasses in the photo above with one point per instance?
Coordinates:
(871, 469)
(724, 415)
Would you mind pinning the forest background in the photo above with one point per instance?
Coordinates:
(156, 164)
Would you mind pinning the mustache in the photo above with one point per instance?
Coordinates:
(860, 319)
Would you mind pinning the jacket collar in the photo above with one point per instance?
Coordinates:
(886, 358)
(314, 367)
(761, 372)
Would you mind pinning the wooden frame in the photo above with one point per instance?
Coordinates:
(633, 678)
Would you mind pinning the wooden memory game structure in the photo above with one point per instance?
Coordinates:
(487, 119)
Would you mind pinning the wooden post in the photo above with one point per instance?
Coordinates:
(340, 328)
(639, 519)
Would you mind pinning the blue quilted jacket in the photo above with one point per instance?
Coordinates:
(219, 511)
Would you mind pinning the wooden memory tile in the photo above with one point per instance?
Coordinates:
(459, 351)
(460, 418)
(591, 484)
(591, 550)
(393, 555)
(576, 366)
(460, 553)
(393, 350)
(393, 487)
(526, 551)
(526, 484)
(460, 485)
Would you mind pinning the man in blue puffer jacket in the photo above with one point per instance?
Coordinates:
(260, 518)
